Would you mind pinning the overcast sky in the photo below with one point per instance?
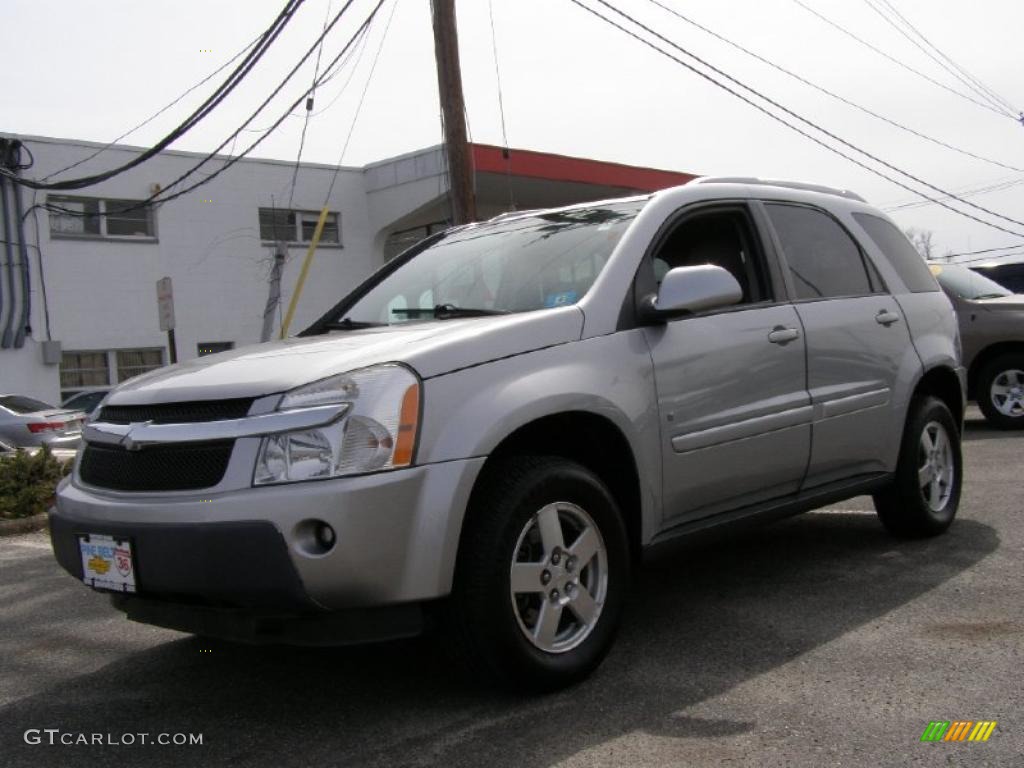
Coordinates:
(571, 84)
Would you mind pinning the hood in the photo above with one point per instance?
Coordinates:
(430, 348)
(1013, 301)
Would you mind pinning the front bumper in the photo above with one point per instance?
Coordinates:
(396, 539)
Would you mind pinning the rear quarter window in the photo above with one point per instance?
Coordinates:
(894, 245)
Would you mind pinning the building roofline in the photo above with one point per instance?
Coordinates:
(177, 152)
(488, 158)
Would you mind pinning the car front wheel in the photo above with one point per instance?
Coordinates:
(542, 573)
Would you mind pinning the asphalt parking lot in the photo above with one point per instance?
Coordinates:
(818, 641)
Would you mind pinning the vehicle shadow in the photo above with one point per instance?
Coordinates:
(699, 623)
(980, 429)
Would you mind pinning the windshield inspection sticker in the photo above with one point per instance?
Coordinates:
(562, 299)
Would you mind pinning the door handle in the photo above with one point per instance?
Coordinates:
(885, 317)
(781, 335)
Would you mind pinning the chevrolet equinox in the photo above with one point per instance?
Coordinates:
(486, 434)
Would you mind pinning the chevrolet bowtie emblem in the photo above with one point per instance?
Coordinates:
(128, 442)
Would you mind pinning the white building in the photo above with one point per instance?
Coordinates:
(93, 278)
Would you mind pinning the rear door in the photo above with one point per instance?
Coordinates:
(734, 410)
(857, 340)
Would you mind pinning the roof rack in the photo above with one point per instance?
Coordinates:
(753, 180)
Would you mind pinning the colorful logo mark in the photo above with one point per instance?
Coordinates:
(958, 730)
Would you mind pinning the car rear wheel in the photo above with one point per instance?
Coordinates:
(1000, 391)
(541, 576)
(924, 496)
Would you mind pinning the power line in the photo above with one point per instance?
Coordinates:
(157, 114)
(801, 118)
(776, 117)
(898, 62)
(832, 94)
(987, 250)
(946, 67)
(362, 97)
(157, 198)
(501, 108)
(309, 108)
(967, 193)
(211, 103)
(968, 75)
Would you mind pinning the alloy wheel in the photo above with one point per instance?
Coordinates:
(1007, 393)
(559, 577)
(936, 468)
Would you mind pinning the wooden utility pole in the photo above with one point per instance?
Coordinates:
(453, 108)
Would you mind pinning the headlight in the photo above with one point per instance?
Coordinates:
(376, 431)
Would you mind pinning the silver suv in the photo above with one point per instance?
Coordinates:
(487, 433)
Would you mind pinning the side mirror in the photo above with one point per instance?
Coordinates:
(693, 289)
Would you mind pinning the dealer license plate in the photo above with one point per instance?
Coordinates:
(107, 562)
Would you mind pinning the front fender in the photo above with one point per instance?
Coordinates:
(469, 412)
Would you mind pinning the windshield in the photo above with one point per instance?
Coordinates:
(518, 265)
(966, 283)
(20, 404)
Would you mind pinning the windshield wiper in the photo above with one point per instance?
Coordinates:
(989, 296)
(446, 311)
(348, 324)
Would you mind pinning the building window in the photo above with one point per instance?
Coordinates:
(278, 225)
(205, 348)
(84, 369)
(134, 362)
(94, 217)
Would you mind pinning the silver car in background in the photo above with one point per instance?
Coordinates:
(487, 434)
(26, 423)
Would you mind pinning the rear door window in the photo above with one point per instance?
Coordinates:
(823, 260)
(908, 263)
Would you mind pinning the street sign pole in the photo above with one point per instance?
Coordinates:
(172, 346)
(165, 310)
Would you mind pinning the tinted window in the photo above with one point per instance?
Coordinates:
(823, 260)
(20, 404)
(908, 263)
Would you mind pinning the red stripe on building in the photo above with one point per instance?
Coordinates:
(542, 165)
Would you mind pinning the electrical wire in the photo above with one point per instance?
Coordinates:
(212, 102)
(501, 109)
(968, 193)
(160, 197)
(987, 250)
(948, 69)
(832, 94)
(790, 125)
(157, 114)
(896, 61)
(362, 97)
(984, 88)
(309, 108)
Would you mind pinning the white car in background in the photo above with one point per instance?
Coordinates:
(29, 423)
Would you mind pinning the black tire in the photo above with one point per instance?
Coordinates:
(1004, 364)
(483, 625)
(902, 506)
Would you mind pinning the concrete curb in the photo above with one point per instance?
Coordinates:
(23, 525)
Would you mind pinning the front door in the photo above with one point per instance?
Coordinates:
(732, 399)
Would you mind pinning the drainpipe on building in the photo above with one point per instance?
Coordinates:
(26, 278)
(7, 338)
